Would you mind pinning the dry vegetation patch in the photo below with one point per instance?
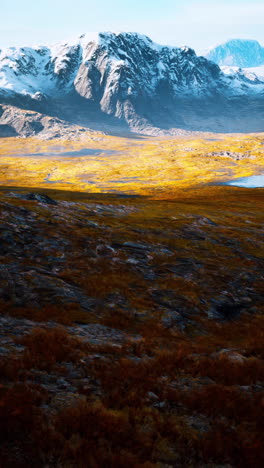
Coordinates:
(132, 328)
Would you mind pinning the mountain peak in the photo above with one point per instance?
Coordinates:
(104, 38)
(244, 53)
(124, 76)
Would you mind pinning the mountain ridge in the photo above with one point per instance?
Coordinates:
(127, 80)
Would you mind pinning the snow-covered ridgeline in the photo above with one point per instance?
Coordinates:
(129, 62)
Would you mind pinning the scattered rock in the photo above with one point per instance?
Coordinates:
(37, 287)
(136, 246)
(171, 319)
(34, 197)
(231, 154)
(198, 422)
(232, 355)
(152, 396)
(225, 309)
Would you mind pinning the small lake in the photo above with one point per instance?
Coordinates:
(69, 154)
(255, 181)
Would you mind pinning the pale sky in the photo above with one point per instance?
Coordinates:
(199, 24)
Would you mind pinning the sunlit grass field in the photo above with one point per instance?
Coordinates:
(141, 166)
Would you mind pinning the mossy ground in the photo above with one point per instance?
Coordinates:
(188, 395)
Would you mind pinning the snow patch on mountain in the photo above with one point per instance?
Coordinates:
(240, 76)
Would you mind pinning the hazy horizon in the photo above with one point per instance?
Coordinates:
(198, 24)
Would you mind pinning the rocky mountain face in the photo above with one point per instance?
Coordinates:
(18, 122)
(238, 53)
(125, 81)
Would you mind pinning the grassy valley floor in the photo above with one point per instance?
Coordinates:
(131, 303)
(105, 164)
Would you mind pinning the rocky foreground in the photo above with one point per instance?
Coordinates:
(131, 329)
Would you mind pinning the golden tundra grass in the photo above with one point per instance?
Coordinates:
(144, 166)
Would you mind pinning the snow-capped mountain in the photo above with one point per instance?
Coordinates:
(253, 74)
(125, 60)
(240, 53)
(124, 79)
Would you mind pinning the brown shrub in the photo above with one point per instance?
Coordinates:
(46, 347)
(11, 367)
(228, 372)
(21, 426)
(241, 448)
(96, 436)
(229, 402)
